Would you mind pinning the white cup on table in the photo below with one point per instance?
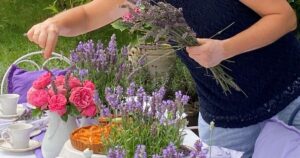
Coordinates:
(8, 104)
(17, 135)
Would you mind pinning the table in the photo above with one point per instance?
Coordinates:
(189, 140)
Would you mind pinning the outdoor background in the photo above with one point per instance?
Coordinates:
(17, 16)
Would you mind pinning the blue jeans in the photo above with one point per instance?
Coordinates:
(243, 139)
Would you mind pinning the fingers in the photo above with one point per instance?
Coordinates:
(202, 40)
(30, 33)
(50, 44)
(45, 35)
(195, 50)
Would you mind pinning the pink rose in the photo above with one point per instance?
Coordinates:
(89, 84)
(57, 103)
(128, 17)
(42, 82)
(60, 90)
(60, 80)
(38, 98)
(81, 97)
(137, 10)
(90, 111)
(74, 82)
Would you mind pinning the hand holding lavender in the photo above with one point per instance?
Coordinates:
(161, 23)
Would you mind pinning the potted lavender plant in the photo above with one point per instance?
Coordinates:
(149, 123)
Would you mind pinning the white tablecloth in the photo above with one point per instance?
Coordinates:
(189, 140)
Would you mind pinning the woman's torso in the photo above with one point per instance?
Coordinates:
(269, 76)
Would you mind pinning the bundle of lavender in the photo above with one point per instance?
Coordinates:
(160, 23)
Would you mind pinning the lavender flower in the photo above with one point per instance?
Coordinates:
(124, 52)
(198, 153)
(105, 112)
(131, 89)
(112, 49)
(83, 73)
(140, 152)
(171, 152)
(156, 156)
(117, 152)
(119, 90)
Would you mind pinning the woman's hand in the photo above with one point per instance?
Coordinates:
(44, 34)
(210, 53)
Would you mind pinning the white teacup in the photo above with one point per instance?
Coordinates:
(18, 135)
(8, 104)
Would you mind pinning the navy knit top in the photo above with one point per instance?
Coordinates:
(270, 76)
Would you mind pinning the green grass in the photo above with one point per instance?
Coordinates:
(17, 16)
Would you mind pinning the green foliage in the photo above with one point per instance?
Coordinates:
(37, 112)
(60, 5)
(136, 131)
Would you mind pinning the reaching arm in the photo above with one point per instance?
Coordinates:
(74, 22)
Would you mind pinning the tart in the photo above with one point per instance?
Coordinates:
(90, 137)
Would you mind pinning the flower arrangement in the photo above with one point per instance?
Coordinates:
(160, 23)
(64, 95)
(148, 123)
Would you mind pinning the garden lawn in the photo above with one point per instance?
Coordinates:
(17, 16)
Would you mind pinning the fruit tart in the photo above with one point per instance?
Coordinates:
(90, 137)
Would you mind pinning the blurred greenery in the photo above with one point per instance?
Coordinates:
(17, 16)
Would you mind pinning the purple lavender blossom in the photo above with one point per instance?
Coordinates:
(112, 49)
(105, 112)
(117, 152)
(185, 99)
(74, 57)
(198, 145)
(199, 152)
(140, 152)
(83, 73)
(156, 156)
(124, 52)
(119, 90)
(171, 152)
(131, 89)
(99, 45)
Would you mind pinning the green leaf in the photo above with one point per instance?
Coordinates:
(119, 25)
(36, 112)
(65, 117)
(72, 110)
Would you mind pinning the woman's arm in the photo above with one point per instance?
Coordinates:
(74, 22)
(278, 18)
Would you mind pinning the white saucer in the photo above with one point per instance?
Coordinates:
(7, 147)
(30, 106)
(35, 132)
(20, 111)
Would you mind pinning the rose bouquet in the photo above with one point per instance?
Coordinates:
(64, 95)
(149, 123)
(159, 23)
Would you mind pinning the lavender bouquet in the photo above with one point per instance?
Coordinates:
(159, 23)
(149, 123)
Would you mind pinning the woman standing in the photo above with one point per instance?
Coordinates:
(266, 59)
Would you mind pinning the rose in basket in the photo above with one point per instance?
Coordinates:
(64, 95)
(65, 98)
